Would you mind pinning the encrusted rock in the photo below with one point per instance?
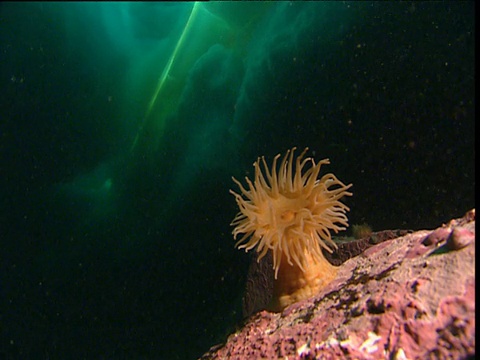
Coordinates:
(459, 238)
(412, 297)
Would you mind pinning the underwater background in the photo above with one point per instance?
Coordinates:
(121, 125)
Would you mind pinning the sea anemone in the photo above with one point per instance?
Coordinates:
(361, 231)
(291, 213)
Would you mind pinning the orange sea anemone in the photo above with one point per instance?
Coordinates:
(291, 213)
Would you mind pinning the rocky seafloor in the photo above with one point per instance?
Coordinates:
(410, 297)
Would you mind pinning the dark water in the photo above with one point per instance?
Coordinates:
(122, 124)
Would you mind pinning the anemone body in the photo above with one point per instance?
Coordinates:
(287, 210)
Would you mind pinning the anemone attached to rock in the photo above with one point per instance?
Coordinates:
(290, 212)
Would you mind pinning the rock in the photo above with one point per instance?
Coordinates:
(412, 297)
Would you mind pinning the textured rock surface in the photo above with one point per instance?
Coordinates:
(412, 297)
(260, 279)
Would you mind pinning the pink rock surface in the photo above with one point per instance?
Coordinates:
(412, 297)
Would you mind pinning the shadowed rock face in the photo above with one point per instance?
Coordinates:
(259, 286)
(412, 296)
